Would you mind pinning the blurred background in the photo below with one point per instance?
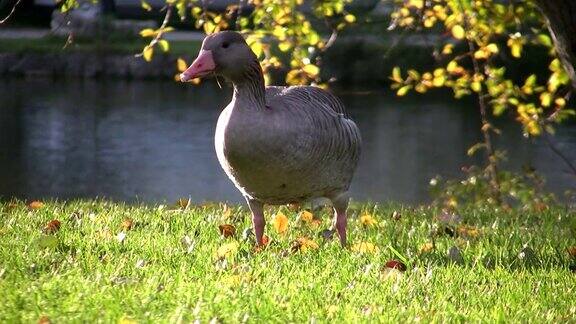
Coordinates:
(84, 114)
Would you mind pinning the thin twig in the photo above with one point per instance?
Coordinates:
(490, 153)
(11, 12)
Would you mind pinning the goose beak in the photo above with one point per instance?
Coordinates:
(202, 65)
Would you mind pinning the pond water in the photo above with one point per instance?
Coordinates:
(153, 142)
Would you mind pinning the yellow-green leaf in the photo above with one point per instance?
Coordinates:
(147, 53)
(458, 32)
(403, 91)
(148, 32)
(146, 6)
(164, 45)
(396, 76)
(311, 69)
(350, 18)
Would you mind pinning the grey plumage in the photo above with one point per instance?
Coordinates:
(279, 144)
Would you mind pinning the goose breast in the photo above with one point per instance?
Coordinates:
(302, 146)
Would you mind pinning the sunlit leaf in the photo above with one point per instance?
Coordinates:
(403, 90)
(350, 18)
(164, 45)
(147, 53)
(306, 216)
(365, 248)
(145, 5)
(280, 223)
(36, 204)
(148, 32)
(227, 250)
(368, 220)
(227, 230)
(311, 69)
(458, 32)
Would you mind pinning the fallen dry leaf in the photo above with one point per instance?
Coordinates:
(306, 216)
(183, 203)
(36, 204)
(303, 244)
(367, 220)
(127, 224)
(52, 226)
(280, 223)
(572, 251)
(426, 247)
(227, 250)
(227, 230)
(395, 264)
(44, 320)
(468, 231)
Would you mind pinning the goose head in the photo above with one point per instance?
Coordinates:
(225, 53)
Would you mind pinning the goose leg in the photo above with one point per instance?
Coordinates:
(258, 221)
(340, 204)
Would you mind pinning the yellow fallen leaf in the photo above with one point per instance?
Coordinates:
(280, 223)
(227, 250)
(365, 248)
(36, 204)
(306, 216)
(426, 247)
(368, 220)
(304, 244)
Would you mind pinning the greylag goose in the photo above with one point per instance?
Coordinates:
(278, 145)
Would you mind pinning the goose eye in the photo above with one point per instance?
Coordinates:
(225, 45)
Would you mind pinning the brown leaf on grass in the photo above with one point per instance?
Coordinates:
(303, 244)
(36, 204)
(468, 231)
(395, 264)
(52, 226)
(44, 320)
(572, 251)
(183, 203)
(227, 230)
(127, 224)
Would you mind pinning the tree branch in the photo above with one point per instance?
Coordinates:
(10, 13)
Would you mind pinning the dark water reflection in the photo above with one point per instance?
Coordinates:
(153, 141)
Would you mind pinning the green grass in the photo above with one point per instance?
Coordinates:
(83, 273)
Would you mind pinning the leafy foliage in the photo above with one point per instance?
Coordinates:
(491, 33)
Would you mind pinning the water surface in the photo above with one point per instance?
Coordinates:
(153, 141)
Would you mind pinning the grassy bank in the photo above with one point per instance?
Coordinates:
(108, 261)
